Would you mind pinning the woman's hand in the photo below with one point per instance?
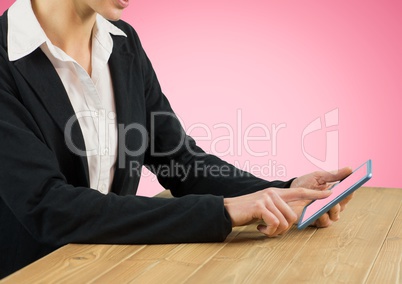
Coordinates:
(321, 180)
(279, 208)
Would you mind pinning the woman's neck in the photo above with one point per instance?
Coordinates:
(69, 26)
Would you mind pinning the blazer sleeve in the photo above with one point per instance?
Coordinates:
(55, 212)
(175, 158)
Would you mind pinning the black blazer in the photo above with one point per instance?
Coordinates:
(45, 199)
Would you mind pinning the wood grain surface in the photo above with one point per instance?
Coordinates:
(365, 246)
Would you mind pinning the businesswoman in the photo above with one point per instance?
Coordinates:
(80, 105)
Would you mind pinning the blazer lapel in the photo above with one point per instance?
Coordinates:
(120, 64)
(40, 74)
(43, 79)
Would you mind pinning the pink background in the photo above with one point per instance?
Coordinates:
(282, 62)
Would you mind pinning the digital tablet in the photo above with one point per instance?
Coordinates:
(340, 190)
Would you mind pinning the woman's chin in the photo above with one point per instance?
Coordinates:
(112, 15)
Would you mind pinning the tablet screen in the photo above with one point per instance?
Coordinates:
(339, 191)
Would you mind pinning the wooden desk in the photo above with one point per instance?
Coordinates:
(365, 246)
